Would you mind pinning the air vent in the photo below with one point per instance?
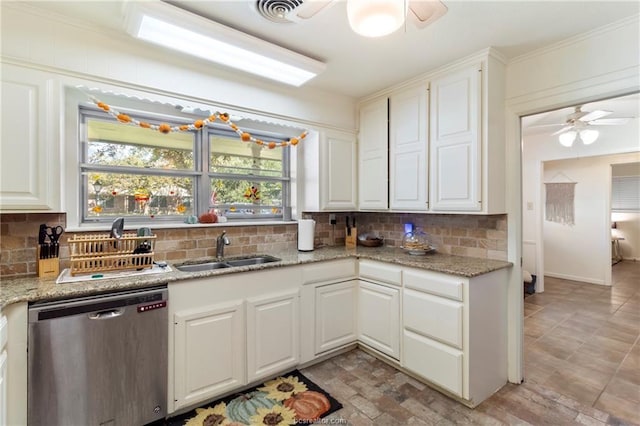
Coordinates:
(277, 10)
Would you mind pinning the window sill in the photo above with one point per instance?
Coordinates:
(159, 225)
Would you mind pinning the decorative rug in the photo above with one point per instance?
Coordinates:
(286, 400)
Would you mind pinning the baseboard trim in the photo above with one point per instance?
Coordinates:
(574, 278)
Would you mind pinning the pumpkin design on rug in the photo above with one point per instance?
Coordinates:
(286, 400)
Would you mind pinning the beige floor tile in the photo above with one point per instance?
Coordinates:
(624, 409)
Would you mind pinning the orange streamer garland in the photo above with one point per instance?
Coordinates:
(196, 125)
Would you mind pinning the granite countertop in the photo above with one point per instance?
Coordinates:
(34, 289)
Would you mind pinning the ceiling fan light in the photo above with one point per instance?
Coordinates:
(589, 136)
(567, 138)
(375, 18)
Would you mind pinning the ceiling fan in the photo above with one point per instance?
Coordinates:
(579, 125)
(420, 12)
(580, 120)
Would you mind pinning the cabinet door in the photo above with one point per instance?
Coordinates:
(29, 154)
(335, 315)
(272, 334)
(339, 171)
(373, 154)
(455, 141)
(379, 318)
(209, 352)
(408, 149)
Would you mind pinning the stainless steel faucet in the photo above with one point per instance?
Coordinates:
(221, 241)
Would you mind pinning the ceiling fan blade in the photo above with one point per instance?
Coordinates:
(594, 115)
(564, 129)
(424, 12)
(610, 121)
(310, 8)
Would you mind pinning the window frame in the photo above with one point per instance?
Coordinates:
(201, 175)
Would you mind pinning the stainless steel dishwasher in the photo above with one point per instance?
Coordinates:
(99, 360)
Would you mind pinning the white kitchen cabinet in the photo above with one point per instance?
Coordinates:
(16, 363)
(338, 185)
(467, 141)
(379, 317)
(454, 331)
(272, 334)
(29, 143)
(373, 156)
(228, 330)
(3, 370)
(455, 140)
(408, 164)
(326, 169)
(335, 314)
(209, 352)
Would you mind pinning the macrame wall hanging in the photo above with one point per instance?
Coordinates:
(559, 203)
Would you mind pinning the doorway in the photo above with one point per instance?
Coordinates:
(577, 250)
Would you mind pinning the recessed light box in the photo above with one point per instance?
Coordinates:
(172, 27)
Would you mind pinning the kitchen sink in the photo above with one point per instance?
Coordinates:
(199, 267)
(257, 260)
(231, 263)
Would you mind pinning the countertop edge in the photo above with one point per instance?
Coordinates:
(34, 289)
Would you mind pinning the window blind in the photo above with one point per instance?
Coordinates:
(625, 193)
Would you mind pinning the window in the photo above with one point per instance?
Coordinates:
(142, 174)
(625, 193)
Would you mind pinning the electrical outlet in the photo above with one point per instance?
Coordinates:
(332, 219)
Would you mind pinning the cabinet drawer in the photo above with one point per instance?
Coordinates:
(434, 283)
(434, 317)
(382, 272)
(329, 271)
(434, 361)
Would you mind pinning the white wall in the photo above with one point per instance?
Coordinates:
(582, 252)
(52, 43)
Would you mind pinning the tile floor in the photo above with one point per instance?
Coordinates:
(582, 361)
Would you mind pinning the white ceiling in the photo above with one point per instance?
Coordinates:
(358, 66)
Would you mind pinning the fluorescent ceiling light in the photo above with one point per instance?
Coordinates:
(169, 26)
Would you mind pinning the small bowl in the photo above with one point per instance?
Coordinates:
(371, 242)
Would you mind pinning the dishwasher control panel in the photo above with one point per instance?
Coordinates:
(152, 306)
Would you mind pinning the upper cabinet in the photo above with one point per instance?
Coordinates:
(455, 141)
(373, 155)
(29, 148)
(327, 171)
(408, 149)
(338, 176)
(446, 142)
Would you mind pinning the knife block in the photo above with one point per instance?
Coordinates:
(47, 268)
(350, 241)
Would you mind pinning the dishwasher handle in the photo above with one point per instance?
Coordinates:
(108, 314)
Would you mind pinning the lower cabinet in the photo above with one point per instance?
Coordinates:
(209, 352)
(379, 317)
(272, 334)
(229, 331)
(454, 331)
(335, 313)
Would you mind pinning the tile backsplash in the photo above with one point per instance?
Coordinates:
(464, 235)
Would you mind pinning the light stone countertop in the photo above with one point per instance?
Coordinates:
(34, 289)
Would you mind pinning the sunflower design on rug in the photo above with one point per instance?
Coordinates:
(210, 416)
(287, 400)
(307, 405)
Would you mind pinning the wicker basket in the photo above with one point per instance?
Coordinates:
(100, 252)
